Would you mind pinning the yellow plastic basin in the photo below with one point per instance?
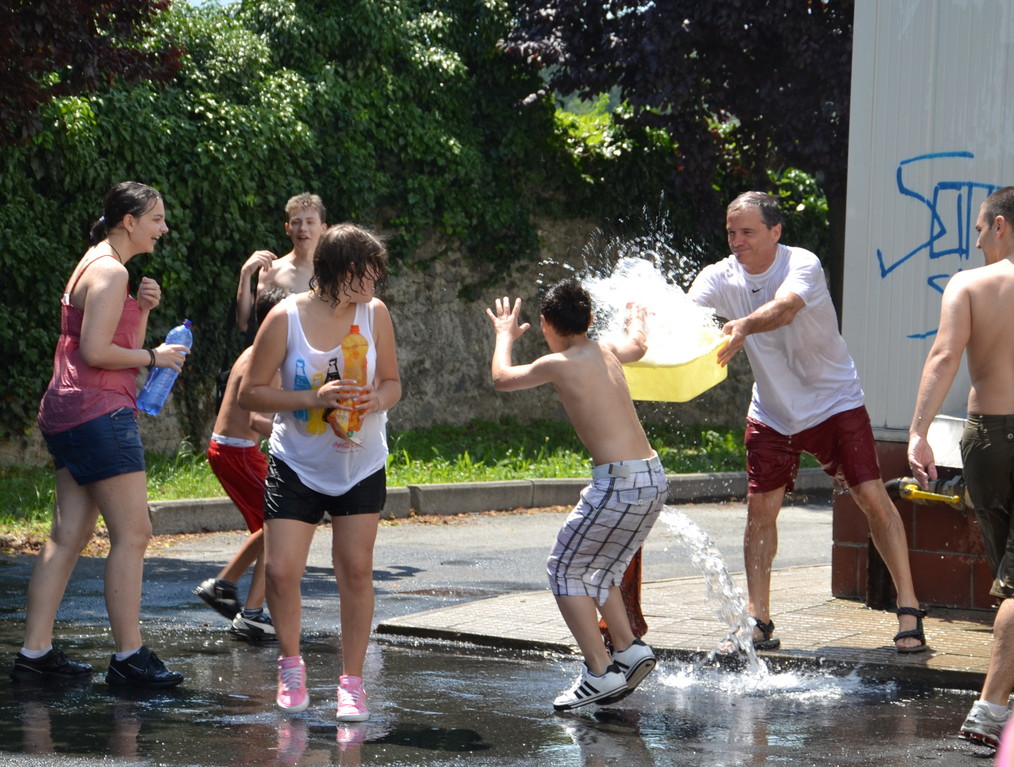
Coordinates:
(656, 382)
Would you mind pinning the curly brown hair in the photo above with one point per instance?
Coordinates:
(346, 255)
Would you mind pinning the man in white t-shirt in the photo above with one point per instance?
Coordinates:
(806, 397)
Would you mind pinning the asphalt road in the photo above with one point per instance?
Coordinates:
(440, 705)
(421, 565)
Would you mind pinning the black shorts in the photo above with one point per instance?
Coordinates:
(286, 497)
(987, 455)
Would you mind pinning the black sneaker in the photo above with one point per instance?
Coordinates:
(53, 666)
(143, 669)
(257, 627)
(221, 596)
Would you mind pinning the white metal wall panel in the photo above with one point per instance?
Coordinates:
(931, 122)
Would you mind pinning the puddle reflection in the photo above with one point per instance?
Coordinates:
(438, 706)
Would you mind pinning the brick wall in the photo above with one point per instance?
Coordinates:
(945, 549)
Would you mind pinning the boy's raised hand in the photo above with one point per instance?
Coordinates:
(636, 318)
(505, 320)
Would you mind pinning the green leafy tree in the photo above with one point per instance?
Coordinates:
(771, 78)
(401, 115)
(420, 110)
(52, 48)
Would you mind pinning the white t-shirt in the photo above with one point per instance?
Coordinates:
(323, 461)
(803, 372)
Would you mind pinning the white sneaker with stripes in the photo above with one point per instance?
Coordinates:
(635, 663)
(590, 688)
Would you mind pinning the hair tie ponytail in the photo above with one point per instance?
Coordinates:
(98, 232)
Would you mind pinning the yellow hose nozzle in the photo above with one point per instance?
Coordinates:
(910, 490)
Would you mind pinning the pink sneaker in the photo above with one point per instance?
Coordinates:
(292, 737)
(292, 695)
(352, 700)
(351, 736)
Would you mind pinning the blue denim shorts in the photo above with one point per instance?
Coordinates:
(104, 447)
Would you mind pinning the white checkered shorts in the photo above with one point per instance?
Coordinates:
(605, 530)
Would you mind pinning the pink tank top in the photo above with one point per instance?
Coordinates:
(78, 392)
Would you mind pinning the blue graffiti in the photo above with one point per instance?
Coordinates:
(953, 207)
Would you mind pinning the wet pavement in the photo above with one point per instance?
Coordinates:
(469, 652)
(442, 706)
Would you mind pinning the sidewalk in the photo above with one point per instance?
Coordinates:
(209, 515)
(817, 631)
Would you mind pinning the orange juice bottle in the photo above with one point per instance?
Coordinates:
(354, 348)
(316, 423)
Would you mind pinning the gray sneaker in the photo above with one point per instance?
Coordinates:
(221, 596)
(982, 727)
(258, 627)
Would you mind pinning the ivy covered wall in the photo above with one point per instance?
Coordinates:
(403, 115)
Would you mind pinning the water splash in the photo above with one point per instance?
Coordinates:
(677, 329)
(651, 236)
(728, 598)
(650, 269)
(798, 686)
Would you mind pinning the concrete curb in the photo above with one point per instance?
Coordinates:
(206, 515)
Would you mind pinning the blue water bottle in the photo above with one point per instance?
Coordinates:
(160, 380)
(300, 383)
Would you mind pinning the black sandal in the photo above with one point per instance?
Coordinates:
(916, 633)
(731, 644)
(768, 642)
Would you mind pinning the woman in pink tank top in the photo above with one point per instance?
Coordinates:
(88, 419)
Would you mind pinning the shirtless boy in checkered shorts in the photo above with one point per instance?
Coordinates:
(627, 492)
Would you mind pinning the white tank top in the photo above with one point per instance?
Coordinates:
(324, 461)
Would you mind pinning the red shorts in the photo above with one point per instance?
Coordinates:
(242, 472)
(843, 444)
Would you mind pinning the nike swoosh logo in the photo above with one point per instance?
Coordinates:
(755, 290)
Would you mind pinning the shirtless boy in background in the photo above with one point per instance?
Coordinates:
(976, 317)
(305, 222)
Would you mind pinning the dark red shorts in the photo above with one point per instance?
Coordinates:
(242, 472)
(843, 444)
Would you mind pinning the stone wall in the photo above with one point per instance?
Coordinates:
(444, 346)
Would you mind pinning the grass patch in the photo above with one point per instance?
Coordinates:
(486, 451)
(184, 475)
(480, 451)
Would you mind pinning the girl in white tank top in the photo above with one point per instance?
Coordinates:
(318, 469)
